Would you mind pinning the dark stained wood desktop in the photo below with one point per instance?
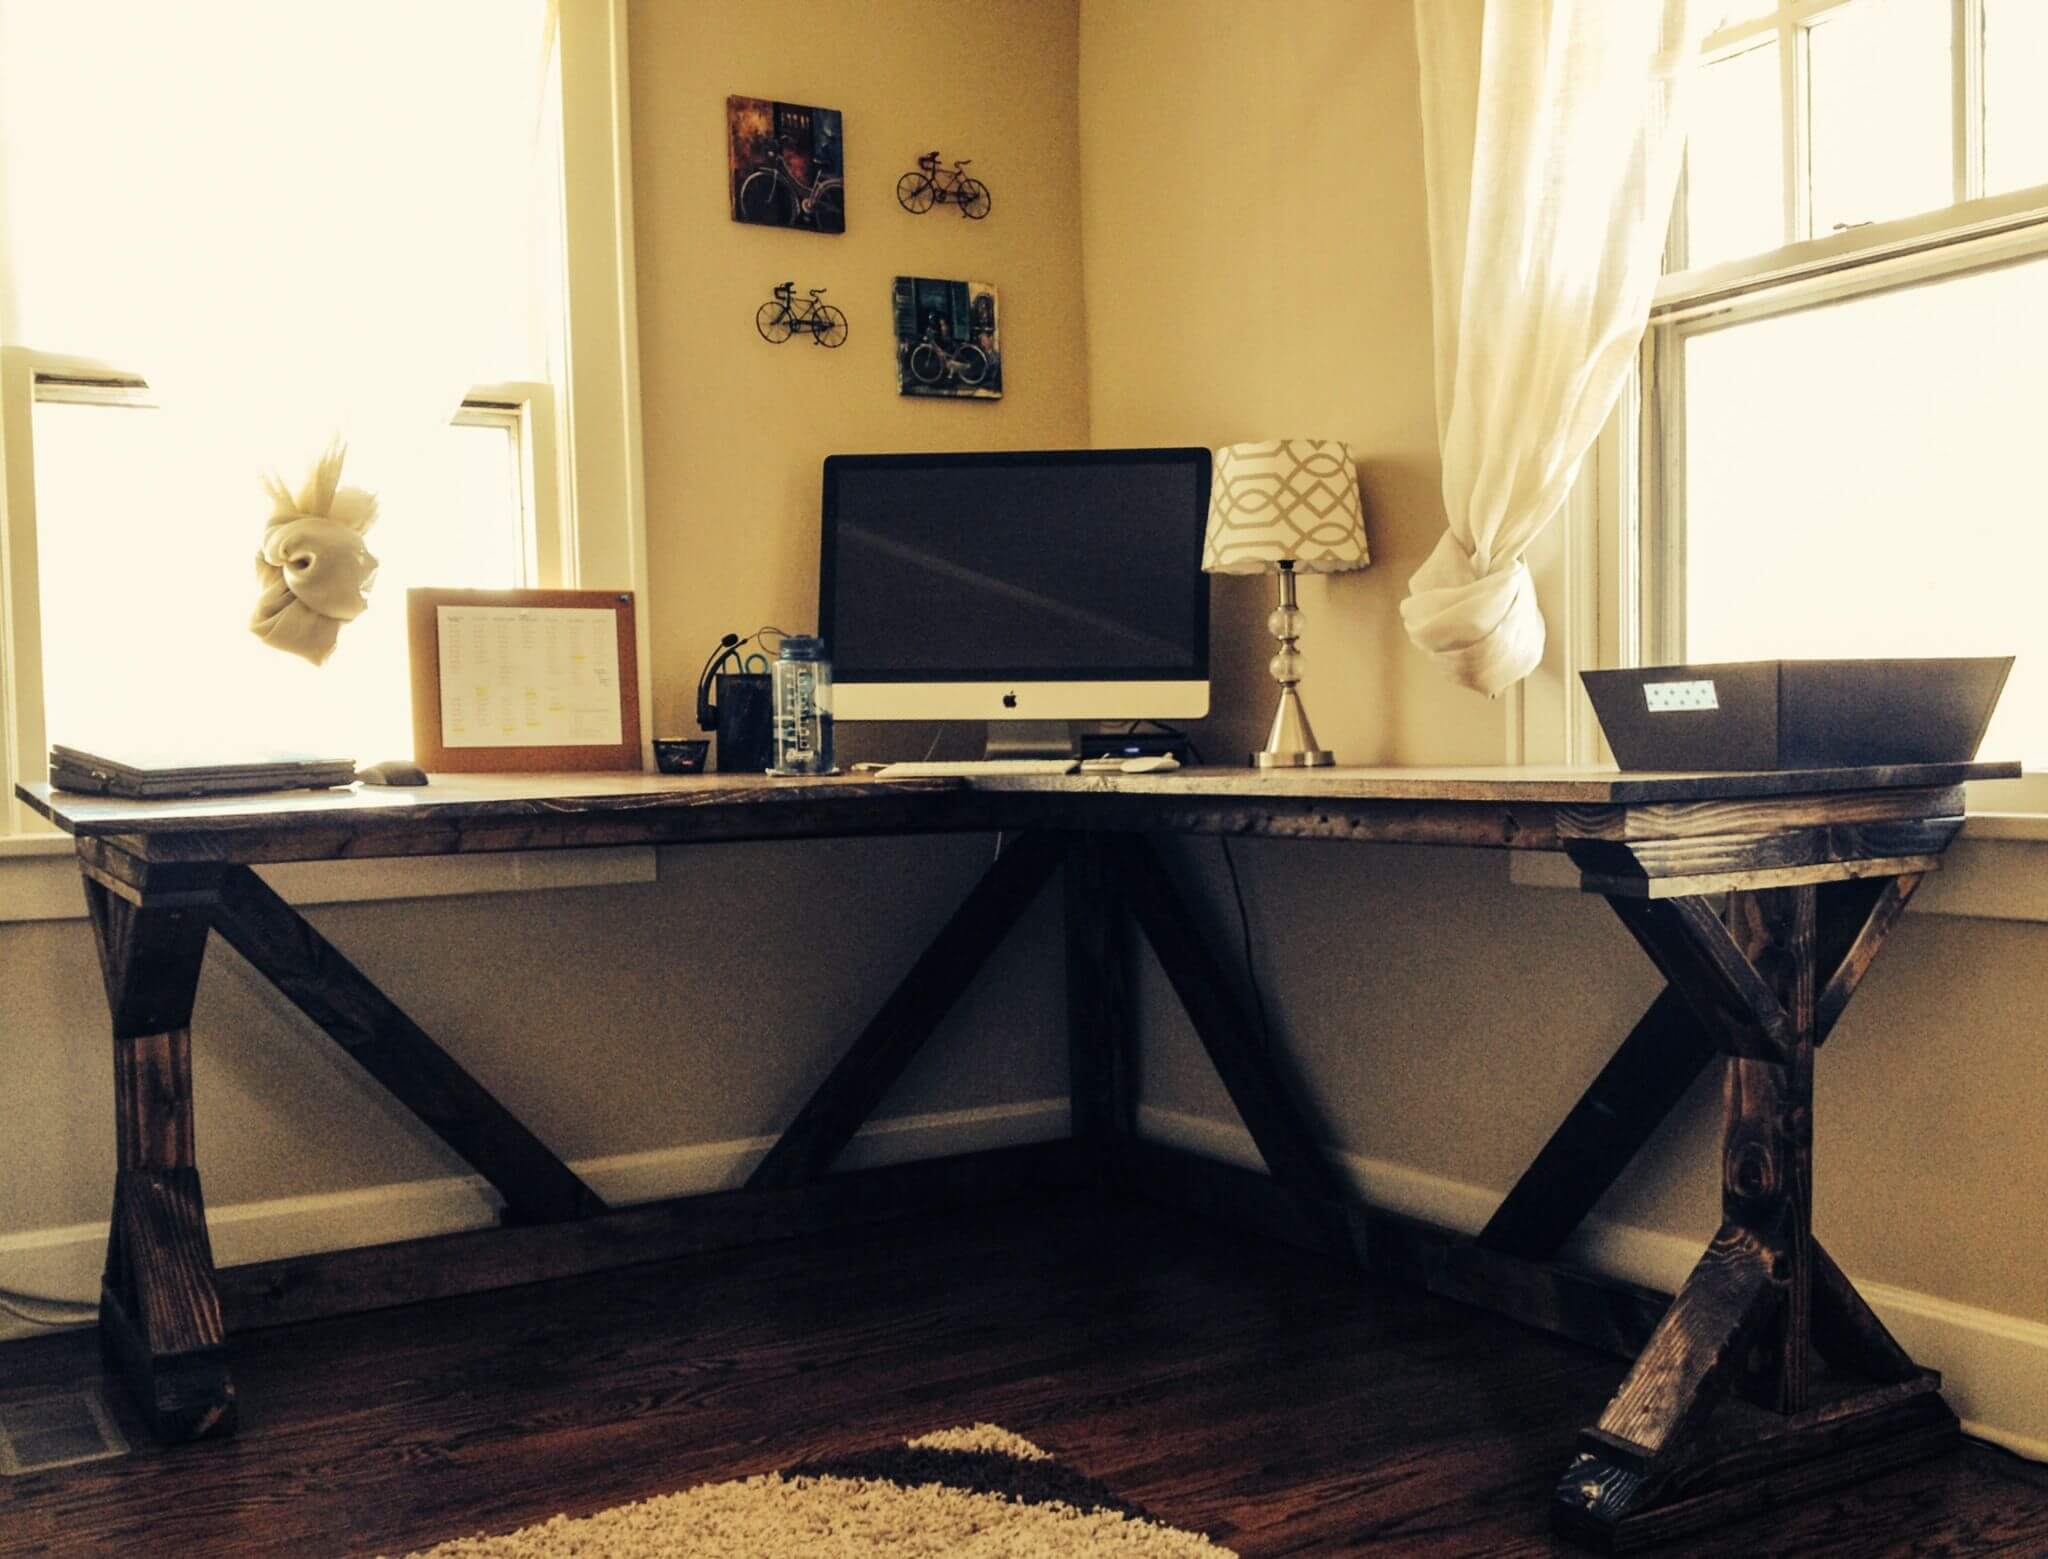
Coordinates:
(1761, 897)
(567, 802)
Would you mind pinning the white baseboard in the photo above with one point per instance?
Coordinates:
(63, 1264)
(1994, 1367)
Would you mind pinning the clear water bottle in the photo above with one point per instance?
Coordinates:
(803, 707)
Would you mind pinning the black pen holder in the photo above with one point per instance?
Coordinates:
(745, 722)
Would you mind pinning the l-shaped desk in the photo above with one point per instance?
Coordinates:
(1761, 897)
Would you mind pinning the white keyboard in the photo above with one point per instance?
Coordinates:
(981, 766)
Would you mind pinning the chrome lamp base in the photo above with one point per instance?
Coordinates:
(1291, 744)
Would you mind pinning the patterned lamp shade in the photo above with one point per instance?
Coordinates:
(1288, 500)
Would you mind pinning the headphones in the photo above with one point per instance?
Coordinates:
(729, 647)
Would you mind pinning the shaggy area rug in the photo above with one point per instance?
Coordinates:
(978, 1491)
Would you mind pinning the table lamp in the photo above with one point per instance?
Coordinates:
(1285, 506)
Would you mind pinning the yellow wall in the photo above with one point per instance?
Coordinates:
(735, 428)
(1257, 266)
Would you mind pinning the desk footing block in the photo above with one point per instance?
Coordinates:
(1752, 1460)
(182, 1396)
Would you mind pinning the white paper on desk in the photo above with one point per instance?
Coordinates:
(529, 676)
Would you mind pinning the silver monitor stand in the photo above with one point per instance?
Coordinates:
(1030, 739)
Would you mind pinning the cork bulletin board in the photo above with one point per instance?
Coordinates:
(523, 680)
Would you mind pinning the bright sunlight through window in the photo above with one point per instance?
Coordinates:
(1809, 119)
(292, 223)
(1862, 479)
(130, 622)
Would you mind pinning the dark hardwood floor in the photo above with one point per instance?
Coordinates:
(1271, 1399)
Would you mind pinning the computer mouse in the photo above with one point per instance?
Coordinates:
(1151, 763)
(395, 771)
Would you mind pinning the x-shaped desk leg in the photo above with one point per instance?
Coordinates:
(1765, 1297)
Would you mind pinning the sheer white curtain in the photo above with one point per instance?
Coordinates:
(1551, 146)
(301, 221)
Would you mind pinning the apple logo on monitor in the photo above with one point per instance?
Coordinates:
(1009, 700)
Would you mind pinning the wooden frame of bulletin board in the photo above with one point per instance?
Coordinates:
(430, 748)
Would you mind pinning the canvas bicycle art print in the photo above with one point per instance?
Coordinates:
(788, 163)
(947, 338)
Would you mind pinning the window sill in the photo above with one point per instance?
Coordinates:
(1997, 870)
(39, 880)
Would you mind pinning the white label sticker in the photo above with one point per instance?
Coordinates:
(1664, 697)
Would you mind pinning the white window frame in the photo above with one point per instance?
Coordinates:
(1790, 25)
(581, 467)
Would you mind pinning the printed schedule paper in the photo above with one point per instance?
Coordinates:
(529, 676)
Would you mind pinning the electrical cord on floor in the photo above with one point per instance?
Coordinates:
(38, 1310)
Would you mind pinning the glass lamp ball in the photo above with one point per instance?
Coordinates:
(1285, 667)
(1285, 623)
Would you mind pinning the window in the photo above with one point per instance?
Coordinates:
(461, 513)
(1831, 446)
(1814, 117)
(99, 613)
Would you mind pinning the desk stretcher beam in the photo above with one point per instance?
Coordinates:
(276, 940)
(346, 1282)
(1603, 1313)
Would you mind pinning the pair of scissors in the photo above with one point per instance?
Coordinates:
(754, 665)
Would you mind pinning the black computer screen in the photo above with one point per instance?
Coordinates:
(1056, 566)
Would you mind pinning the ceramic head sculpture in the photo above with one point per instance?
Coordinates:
(313, 566)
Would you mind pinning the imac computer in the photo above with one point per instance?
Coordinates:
(1024, 589)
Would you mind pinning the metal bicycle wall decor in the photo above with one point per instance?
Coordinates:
(932, 185)
(783, 317)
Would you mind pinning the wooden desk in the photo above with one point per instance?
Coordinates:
(1762, 898)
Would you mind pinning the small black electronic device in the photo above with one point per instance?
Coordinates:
(394, 771)
(1135, 744)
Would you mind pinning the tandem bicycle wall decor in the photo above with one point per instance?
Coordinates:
(782, 317)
